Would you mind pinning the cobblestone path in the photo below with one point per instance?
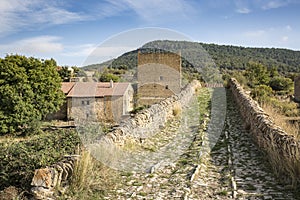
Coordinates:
(236, 168)
(224, 166)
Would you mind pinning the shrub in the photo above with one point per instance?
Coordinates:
(261, 93)
(21, 156)
(280, 83)
(257, 74)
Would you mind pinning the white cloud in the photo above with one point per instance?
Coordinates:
(111, 8)
(284, 38)
(242, 6)
(150, 10)
(79, 50)
(104, 53)
(41, 45)
(275, 4)
(288, 28)
(280, 36)
(243, 10)
(248, 6)
(18, 14)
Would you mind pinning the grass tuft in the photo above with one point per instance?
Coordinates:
(177, 110)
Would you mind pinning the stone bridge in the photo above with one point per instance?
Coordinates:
(252, 158)
(237, 167)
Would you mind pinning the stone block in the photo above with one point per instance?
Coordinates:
(42, 178)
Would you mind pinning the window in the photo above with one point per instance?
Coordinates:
(87, 102)
(161, 78)
(167, 87)
(82, 102)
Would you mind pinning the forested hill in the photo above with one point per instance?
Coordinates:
(234, 57)
(224, 56)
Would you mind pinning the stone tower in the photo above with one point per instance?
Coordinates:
(159, 76)
(297, 89)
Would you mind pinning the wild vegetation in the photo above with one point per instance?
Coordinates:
(268, 87)
(66, 73)
(91, 179)
(196, 56)
(20, 156)
(224, 56)
(29, 90)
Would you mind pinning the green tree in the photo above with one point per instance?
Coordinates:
(281, 83)
(29, 90)
(65, 74)
(262, 93)
(78, 72)
(106, 77)
(257, 74)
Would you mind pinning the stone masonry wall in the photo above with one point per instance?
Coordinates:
(47, 181)
(172, 60)
(155, 69)
(297, 89)
(152, 119)
(283, 149)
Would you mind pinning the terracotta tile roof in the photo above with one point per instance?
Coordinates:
(100, 89)
(66, 87)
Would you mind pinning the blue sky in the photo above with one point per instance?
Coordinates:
(69, 30)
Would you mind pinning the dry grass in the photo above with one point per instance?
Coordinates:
(287, 169)
(280, 120)
(131, 144)
(91, 179)
(177, 109)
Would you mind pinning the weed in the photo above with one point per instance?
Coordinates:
(177, 110)
(223, 193)
(280, 121)
(91, 178)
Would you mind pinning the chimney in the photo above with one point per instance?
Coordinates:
(111, 83)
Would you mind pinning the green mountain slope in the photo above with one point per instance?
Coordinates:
(224, 56)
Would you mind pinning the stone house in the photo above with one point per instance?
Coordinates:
(159, 76)
(97, 101)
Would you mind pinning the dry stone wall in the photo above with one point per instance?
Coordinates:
(283, 149)
(150, 120)
(47, 181)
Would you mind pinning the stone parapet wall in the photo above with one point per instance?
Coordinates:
(150, 120)
(282, 148)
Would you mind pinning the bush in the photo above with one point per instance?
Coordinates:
(257, 74)
(280, 83)
(106, 77)
(21, 156)
(261, 93)
(288, 109)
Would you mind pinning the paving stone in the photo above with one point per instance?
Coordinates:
(247, 170)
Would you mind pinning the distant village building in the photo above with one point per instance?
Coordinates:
(297, 89)
(101, 101)
(159, 76)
